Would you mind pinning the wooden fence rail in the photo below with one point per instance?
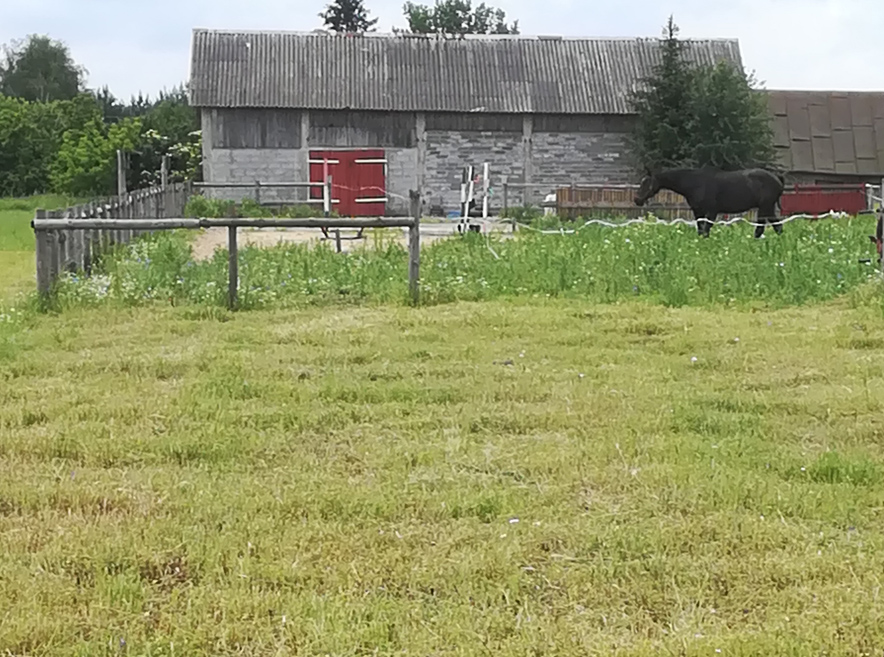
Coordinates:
(53, 232)
(71, 247)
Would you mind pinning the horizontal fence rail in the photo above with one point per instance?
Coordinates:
(92, 234)
(326, 201)
(72, 247)
(237, 222)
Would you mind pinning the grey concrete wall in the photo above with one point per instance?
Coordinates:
(584, 157)
(402, 177)
(449, 152)
(542, 151)
(246, 165)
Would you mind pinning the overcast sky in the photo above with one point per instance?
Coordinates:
(789, 44)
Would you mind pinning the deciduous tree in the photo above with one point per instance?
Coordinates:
(40, 69)
(347, 16)
(457, 17)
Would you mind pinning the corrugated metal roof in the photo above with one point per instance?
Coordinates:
(427, 73)
(829, 131)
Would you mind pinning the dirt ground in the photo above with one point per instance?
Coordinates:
(213, 238)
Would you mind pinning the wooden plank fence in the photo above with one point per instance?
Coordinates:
(72, 249)
(612, 200)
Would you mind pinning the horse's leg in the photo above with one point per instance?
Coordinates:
(761, 220)
(767, 215)
(777, 226)
(711, 218)
(702, 224)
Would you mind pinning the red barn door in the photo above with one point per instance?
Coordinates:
(358, 180)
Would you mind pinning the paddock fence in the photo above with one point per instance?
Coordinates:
(68, 240)
(574, 200)
(71, 247)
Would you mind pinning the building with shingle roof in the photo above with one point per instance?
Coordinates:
(390, 113)
(829, 136)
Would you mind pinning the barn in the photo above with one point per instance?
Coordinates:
(391, 113)
(830, 144)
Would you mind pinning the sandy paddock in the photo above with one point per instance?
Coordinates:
(213, 238)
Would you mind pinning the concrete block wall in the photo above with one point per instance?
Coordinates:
(449, 152)
(402, 177)
(588, 158)
(248, 165)
(435, 164)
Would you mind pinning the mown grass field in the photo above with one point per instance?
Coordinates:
(523, 472)
(17, 267)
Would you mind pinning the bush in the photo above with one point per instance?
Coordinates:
(31, 134)
(86, 164)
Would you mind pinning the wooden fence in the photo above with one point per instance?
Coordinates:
(69, 248)
(81, 231)
(611, 200)
(617, 200)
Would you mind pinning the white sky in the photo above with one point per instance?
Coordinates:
(789, 44)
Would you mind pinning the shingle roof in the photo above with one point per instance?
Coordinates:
(829, 131)
(427, 73)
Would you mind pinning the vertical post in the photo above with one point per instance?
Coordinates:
(232, 268)
(326, 197)
(471, 193)
(43, 254)
(485, 186)
(414, 247)
(164, 183)
(328, 185)
(881, 220)
(326, 179)
(55, 245)
(164, 172)
(506, 207)
(338, 240)
(121, 174)
(258, 192)
(463, 193)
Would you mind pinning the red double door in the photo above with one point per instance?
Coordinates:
(358, 180)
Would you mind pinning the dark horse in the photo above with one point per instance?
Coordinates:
(711, 192)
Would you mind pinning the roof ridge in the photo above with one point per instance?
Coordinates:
(447, 37)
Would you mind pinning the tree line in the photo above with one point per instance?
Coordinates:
(57, 135)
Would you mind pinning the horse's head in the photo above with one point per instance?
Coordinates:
(649, 187)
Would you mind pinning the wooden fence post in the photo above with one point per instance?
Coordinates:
(43, 255)
(881, 216)
(414, 248)
(232, 268)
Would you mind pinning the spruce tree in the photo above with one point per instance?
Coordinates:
(662, 134)
(697, 116)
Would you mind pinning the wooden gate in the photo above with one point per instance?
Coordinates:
(358, 180)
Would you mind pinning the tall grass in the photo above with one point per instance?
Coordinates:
(811, 261)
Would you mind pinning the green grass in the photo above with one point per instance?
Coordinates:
(620, 442)
(507, 478)
(17, 266)
(810, 262)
